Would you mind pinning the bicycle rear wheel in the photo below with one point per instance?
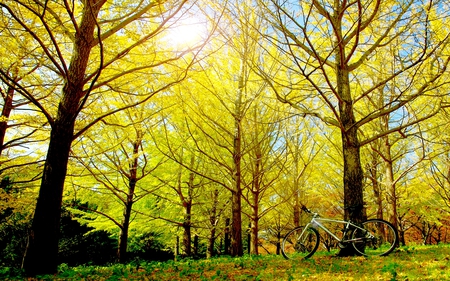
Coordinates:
(379, 238)
(300, 243)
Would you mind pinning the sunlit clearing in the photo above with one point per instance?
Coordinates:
(186, 33)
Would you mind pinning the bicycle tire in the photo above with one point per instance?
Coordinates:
(300, 245)
(380, 238)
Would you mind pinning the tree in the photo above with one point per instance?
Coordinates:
(187, 186)
(123, 152)
(19, 126)
(437, 169)
(190, 182)
(79, 43)
(324, 48)
(265, 160)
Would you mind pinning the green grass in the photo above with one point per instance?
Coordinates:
(407, 263)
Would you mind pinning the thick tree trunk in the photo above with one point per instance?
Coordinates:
(42, 251)
(353, 173)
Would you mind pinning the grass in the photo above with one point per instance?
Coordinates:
(406, 263)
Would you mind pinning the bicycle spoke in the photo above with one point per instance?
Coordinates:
(298, 244)
(378, 238)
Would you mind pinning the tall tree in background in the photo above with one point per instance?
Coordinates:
(323, 47)
(87, 64)
(19, 125)
(241, 37)
(264, 161)
(119, 163)
(215, 103)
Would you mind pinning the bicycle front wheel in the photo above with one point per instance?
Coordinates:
(300, 243)
(378, 238)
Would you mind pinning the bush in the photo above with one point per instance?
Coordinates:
(149, 247)
(80, 244)
(14, 224)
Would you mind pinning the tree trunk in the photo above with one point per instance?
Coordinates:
(296, 191)
(42, 251)
(236, 226)
(128, 208)
(256, 190)
(195, 250)
(227, 242)
(187, 205)
(236, 219)
(254, 227)
(278, 245)
(377, 192)
(213, 221)
(123, 235)
(211, 242)
(236, 194)
(187, 235)
(390, 183)
(6, 111)
(353, 173)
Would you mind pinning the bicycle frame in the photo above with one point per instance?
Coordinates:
(316, 223)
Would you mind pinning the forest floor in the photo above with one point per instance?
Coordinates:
(406, 263)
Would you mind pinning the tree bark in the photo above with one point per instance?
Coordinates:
(187, 202)
(187, 233)
(390, 182)
(353, 173)
(6, 111)
(236, 193)
(296, 182)
(377, 191)
(254, 227)
(128, 208)
(227, 240)
(213, 221)
(42, 251)
(236, 226)
(123, 235)
(256, 191)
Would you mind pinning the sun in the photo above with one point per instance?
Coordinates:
(186, 33)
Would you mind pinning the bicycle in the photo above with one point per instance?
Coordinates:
(374, 237)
